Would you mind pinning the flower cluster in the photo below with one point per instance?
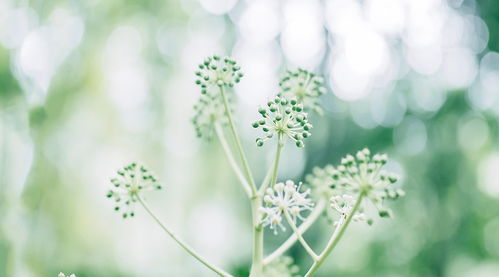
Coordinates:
(209, 110)
(305, 86)
(364, 174)
(321, 181)
(284, 198)
(285, 118)
(132, 180)
(281, 267)
(217, 72)
(343, 204)
(64, 275)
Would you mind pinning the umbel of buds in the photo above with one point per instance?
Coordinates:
(209, 110)
(305, 86)
(129, 183)
(284, 198)
(216, 72)
(284, 118)
(364, 174)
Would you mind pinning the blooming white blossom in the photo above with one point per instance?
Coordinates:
(343, 204)
(281, 267)
(284, 198)
(63, 275)
(364, 174)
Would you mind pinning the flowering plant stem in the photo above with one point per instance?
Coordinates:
(335, 238)
(319, 208)
(239, 147)
(305, 245)
(280, 143)
(182, 244)
(230, 158)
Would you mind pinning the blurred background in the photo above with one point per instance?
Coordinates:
(87, 86)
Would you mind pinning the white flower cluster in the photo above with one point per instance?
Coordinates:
(214, 72)
(281, 267)
(63, 275)
(359, 174)
(131, 180)
(284, 198)
(343, 204)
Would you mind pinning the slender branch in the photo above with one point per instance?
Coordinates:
(335, 238)
(273, 180)
(319, 208)
(186, 247)
(239, 147)
(300, 237)
(232, 161)
(265, 181)
(258, 238)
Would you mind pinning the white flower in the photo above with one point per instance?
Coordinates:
(63, 275)
(364, 174)
(281, 267)
(284, 198)
(343, 205)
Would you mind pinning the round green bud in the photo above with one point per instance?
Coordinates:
(299, 143)
(259, 142)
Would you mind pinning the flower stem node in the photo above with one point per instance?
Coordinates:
(284, 198)
(305, 87)
(284, 118)
(131, 181)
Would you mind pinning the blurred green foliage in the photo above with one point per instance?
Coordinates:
(57, 151)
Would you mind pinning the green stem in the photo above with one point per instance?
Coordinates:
(239, 147)
(335, 238)
(187, 248)
(257, 264)
(280, 144)
(232, 161)
(300, 237)
(319, 208)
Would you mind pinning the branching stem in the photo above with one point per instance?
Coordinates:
(232, 161)
(319, 208)
(182, 244)
(303, 242)
(335, 238)
(239, 147)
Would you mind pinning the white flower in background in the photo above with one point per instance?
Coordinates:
(281, 267)
(284, 198)
(364, 174)
(343, 205)
(63, 275)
